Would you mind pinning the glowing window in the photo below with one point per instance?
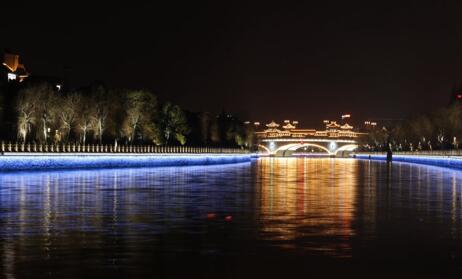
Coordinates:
(11, 76)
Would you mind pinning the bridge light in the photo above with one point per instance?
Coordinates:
(332, 145)
(272, 146)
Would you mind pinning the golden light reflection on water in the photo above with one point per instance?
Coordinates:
(310, 201)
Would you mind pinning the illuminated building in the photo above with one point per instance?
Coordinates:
(289, 130)
(12, 69)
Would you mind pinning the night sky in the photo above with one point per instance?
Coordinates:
(306, 62)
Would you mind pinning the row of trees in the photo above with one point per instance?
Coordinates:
(438, 130)
(100, 115)
(45, 114)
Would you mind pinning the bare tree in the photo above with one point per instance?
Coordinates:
(141, 110)
(68, 113)
(46, 113)
(26, 107)
(84, 119)
(100, 114)
(134, 111)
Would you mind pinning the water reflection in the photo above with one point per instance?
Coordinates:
(147, 222)
(51, 218)
(309, 202)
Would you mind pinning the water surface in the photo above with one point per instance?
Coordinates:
(272, 218)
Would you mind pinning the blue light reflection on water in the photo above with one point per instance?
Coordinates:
(441, 161)
(37, 202)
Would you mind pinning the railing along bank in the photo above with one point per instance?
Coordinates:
(105, 148)
(418, 153)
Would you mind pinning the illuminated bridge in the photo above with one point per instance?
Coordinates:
(336, 140)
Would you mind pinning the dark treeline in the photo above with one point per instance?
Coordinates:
(437, 130)
(39, 112)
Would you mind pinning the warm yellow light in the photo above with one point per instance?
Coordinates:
(302, 195)
(8, 66)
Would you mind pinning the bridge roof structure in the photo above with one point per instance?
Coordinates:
(289, 132)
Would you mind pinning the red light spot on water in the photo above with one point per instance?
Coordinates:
(211, 216)
(228, 218)
(459, 96)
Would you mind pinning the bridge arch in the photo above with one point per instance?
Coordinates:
(294, 146)
(268, 152)
(348, 147)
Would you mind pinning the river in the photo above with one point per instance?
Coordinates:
(271, 218)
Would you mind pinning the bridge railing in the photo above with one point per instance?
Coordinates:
(107, 148)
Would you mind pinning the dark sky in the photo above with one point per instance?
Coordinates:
(307, 61)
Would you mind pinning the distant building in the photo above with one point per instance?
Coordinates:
(12, 69)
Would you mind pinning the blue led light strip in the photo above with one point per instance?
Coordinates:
(441, 161)
(43, 162)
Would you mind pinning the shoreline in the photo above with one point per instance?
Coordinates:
(452, 162)
(61, 161)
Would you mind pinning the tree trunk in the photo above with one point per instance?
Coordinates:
(25, 135)
(100, 127)
(133, 133)
(44, 129)
(68, 134)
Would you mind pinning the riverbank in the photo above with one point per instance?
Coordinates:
(52, 161)
(454, 162)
